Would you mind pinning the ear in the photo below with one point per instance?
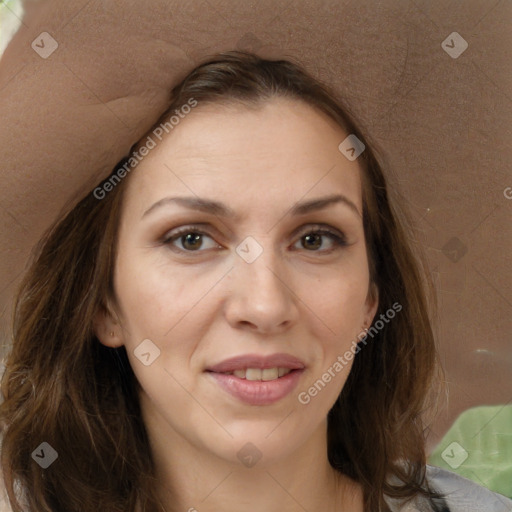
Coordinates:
(371, 304)
(107, 328)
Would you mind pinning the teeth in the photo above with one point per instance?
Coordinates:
(259, 374)
(253, 374)
(270, 374)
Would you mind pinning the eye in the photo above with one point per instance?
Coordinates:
(190, 238)
(313, 240)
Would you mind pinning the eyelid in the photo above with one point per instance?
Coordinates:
(203, 228)
(318, 226)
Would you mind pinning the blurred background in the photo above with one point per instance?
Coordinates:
(431, 83)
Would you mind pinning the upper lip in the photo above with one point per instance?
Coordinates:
(257, 361)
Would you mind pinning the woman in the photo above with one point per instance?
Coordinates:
(234, 319)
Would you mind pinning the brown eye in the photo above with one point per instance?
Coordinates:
(313, 240)
(190, 240)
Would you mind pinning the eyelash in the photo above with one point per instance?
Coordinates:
(339, 241)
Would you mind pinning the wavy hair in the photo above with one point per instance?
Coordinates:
(63, 387)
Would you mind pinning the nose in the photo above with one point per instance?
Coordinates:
(261, 296)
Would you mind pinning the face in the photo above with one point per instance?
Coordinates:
(235, 299)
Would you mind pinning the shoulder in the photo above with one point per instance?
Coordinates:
(459, 493)
(4, 500)
(463, 495)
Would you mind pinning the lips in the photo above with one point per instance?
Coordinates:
(258, 380)
(255, 361)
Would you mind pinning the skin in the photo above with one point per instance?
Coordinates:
(208, 304)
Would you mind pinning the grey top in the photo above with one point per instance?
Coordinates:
(461, 495)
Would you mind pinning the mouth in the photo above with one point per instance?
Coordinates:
(258, 380)
(258, 374)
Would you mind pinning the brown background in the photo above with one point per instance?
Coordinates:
(443, 125)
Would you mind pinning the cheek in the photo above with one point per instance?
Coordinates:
(155, 306)
(338, 298)
(152, 297)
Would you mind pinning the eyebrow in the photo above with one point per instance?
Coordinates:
(220, 209)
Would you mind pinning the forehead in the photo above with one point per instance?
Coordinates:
(281, 149)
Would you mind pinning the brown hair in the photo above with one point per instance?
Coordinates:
(63, 387)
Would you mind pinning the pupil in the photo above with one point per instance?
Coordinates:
(314, 238)
(191, 239)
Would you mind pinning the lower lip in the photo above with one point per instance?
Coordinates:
(256, 392)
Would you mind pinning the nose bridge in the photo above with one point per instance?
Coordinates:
(261, 295)
(259, 263)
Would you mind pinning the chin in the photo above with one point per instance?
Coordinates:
(263, 444)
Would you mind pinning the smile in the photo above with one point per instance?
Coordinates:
(259, 374)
